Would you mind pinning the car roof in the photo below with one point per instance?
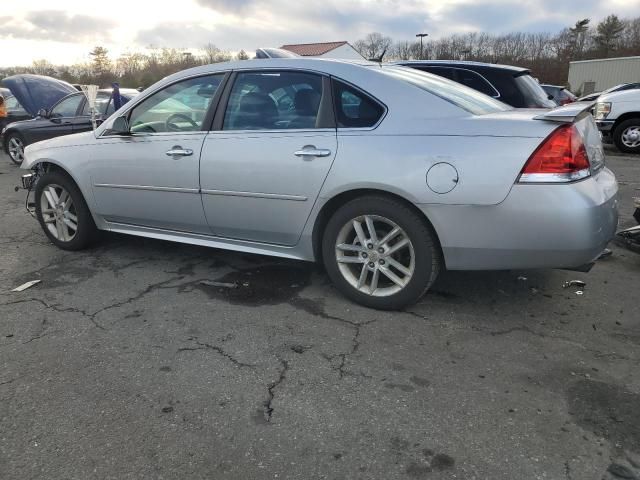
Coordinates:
(463, 63)
(552, 86)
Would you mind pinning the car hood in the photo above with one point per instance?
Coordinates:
(35, 92)
(621, 96)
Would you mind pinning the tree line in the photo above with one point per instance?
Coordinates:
(546, 54)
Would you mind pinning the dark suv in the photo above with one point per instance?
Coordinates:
(512, 85)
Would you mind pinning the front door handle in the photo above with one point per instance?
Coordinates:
(312, 151)
(178, 151)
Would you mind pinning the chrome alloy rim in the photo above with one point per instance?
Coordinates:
(631, 137)
(16, 149)
(375, 255)
(59, 213)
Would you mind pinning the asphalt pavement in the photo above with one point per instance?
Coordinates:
(122, 364)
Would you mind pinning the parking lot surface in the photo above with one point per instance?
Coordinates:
(137, 359)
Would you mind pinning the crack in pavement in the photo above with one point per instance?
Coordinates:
(268, 404)
(215, 348)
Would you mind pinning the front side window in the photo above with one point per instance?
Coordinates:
(275, 101)
(180, 107)
(67, 107)
(355, 109)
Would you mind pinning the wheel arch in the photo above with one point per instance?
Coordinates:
(335, 202)
(624, 117)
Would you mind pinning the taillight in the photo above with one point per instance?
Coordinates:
(566, 101)
(562, 157)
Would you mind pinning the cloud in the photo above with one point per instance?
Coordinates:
(56, 25)
(227, 6)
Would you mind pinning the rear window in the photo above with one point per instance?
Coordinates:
(466, 98)
(534, 94)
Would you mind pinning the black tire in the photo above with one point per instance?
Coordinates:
(86, 231)
(425, 247)
(620, 129)
(18, 137)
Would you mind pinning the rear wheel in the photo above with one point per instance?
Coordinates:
(15, 148)
(627, 136)
(380, 253)
(62, 212)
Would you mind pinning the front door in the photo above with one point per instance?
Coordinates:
(59, 120)
(262, 172)
(151, 177)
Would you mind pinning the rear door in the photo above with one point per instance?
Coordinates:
(263, 168)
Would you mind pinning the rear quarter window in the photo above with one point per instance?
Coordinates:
(354, 108)
(463, 97)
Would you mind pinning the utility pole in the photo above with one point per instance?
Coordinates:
(421, 36)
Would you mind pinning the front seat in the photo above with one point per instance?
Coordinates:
(306, 104)
(257, 111)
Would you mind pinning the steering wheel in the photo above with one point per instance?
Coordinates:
(172, 127)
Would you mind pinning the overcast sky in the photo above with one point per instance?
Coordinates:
(63, 31)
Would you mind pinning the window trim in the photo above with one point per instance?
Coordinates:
(218, 121)
(206, 122)
(455, 71)
(367, 94)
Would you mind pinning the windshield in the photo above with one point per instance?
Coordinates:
(466, 98)
(534, 94)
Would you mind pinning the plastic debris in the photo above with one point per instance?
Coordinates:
(574, 283)
(579, 292)
(210, 283)
(24, 286)
(522, 279)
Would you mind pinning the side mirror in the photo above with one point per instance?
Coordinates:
(43, 113)
(120, 126)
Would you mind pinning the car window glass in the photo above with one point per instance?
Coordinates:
(102, 100)
(534, 95)
(275, 100)
(464, 97)
(476, 81)
(354, 109)
(67, 107)
(13, 106)
(440, 71)
(180, 107)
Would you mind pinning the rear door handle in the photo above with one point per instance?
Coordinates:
(312, 151)
(178, 151)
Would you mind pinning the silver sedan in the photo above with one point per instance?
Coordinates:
(385, 174)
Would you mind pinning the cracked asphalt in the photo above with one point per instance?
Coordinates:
(130, 361)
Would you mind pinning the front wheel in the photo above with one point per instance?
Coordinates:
(626, 136)
(380, 253)
(62, 212)
(15, 148)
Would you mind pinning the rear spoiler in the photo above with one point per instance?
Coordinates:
(570, 113)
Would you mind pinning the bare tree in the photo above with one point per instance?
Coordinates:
(373, 46)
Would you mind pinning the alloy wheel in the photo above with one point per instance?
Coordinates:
(16, 149)
(58, 212)
(375, 255)
(631, 137)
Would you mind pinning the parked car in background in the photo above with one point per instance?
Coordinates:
(618, 88)
(617, 115)
(70, 115)
(560, 95)
(512, 85)
(349, 163)
(13, 109)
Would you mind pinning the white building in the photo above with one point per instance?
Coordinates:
(588, 76)
(341, 50)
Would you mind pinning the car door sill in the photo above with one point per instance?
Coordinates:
(207, 240)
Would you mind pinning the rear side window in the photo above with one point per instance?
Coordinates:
(440, 71)
(354, 108)
(476, 81)
(463, 97)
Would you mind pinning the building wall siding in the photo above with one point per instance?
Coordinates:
(604, 73)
